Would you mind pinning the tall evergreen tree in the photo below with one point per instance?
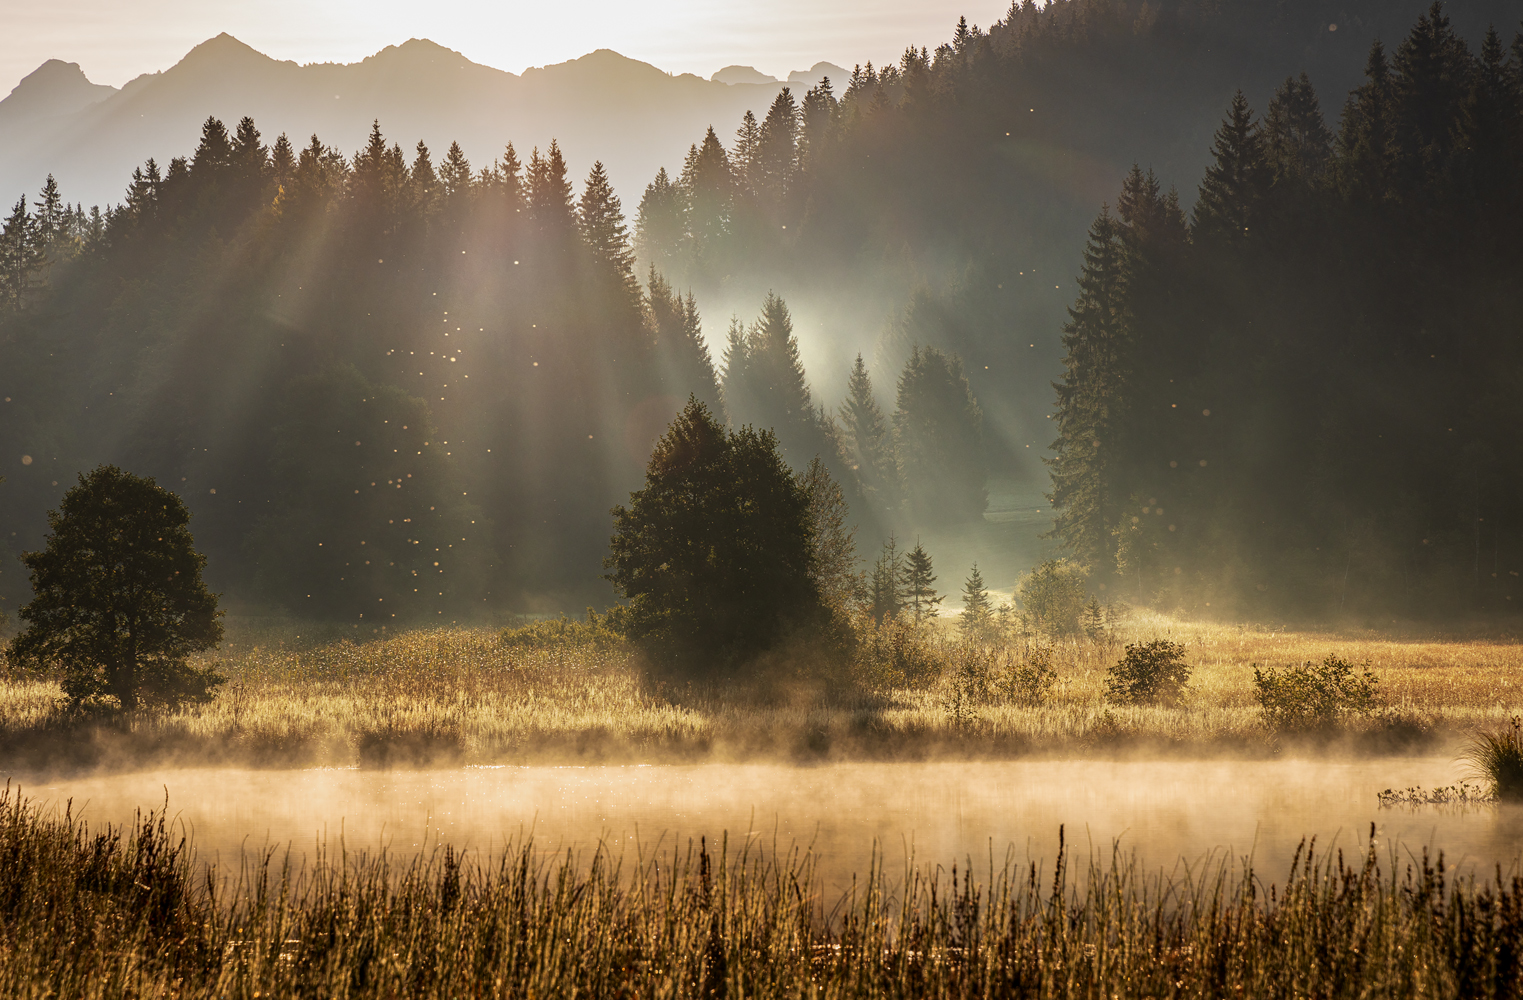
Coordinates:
(918, 584)
(22, 255)
(1235, 182)
(1090, 401)
(600, 217)
(677, 331)
(549, 194)
(977, 618)
(1298, 143)
(938, 434)
(661, 223)
(885, 593)
(869, 446)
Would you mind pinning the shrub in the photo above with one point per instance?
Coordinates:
(1497, 757)
(598, 633)
(1308, 698)
(892, 653)
(1053, 597)
(1150, 673)
(1030, 682)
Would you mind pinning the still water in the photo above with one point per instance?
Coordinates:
(939, 812)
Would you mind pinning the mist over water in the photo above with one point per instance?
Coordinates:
(936, 813)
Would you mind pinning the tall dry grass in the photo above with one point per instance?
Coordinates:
(130, 913)
(454, 695)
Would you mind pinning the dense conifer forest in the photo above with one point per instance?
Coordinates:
(391, 382)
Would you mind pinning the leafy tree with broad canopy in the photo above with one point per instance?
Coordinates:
(119, 602)
(715, 555)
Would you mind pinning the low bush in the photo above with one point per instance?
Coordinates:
(1497, 758)
(1314, 698)
(1151, 673)
(1030, 682)
(1052, 598)
(598, 633)
(894, 652)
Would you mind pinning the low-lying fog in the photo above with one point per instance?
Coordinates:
(943, 812)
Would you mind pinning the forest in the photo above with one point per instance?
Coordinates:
(1286, 390)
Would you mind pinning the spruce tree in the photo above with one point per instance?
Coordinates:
(1298, 143)
(1236, 182)
(1090, 401)
(708, 183)
(746, 159)
(885, 592)
(869, 445)
(549, 194)
(22, 255)
(677, 331)
(455, 172)
(660, 224)
(600, 218)
(977, 618)
(835, 547)
(917, 580)
(282, 161)
(1366, 144)
(777, 150)
(938, 435)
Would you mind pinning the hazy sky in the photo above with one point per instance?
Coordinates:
(113, 40)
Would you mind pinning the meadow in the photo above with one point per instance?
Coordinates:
(299, 696)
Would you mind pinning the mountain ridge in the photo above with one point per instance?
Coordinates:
(633, 116)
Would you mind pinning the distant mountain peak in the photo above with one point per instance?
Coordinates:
(742, 74)
(54, 88)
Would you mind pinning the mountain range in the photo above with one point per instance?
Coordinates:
(633, 116)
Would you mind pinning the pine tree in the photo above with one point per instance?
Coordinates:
(600, 219)
(426, 189)
(708, 184)
(746, 159)
(1429, 91)
(938, 435)
(777, 390)
(868, 444)
(885, 595)
(49, 214)
(549, 194)
(735, 380)
(976, 621)
(455, 173)
(1365, 140)
(1297, 141)
(661, 221)
(816, 120)
(777, 151)
(22, 255)
(835, 549)
(1090, 402)
(677, 332)
(282, 161)
(215, 152)
(918, 582)
(1236, 182)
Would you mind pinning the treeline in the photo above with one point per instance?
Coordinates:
(1303, 394)
(395, 389)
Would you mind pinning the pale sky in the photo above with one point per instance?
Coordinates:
(114, 41)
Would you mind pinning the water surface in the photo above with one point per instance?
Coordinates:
(939, 812)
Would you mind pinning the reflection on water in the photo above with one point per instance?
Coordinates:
(941, 812)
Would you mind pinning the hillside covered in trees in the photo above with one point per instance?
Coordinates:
(393, 382)
(1304, 392)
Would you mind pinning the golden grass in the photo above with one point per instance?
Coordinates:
(459, 695)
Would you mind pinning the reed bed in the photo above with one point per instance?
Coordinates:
(129, 913)
(461, 695)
